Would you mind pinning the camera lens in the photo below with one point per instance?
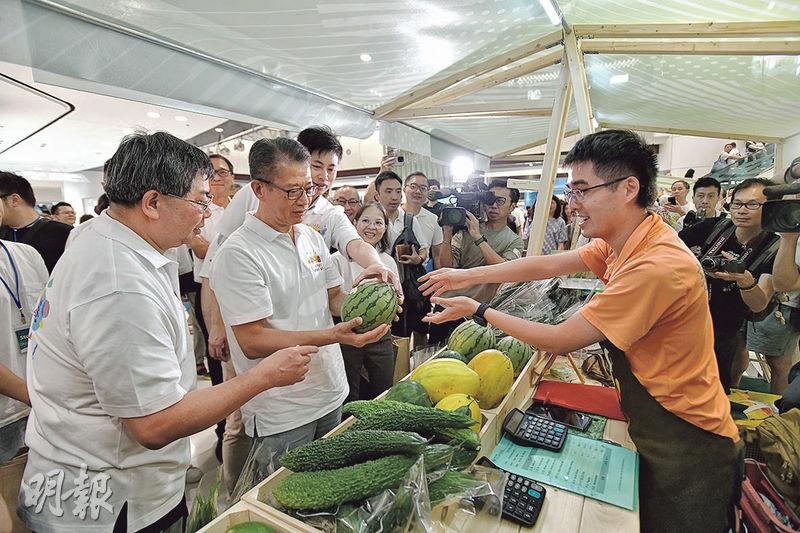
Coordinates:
(709, 263)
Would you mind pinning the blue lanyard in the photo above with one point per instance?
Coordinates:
(14, 295)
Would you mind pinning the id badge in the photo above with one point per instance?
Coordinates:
(22, 337)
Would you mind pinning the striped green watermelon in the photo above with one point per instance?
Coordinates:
(409, 392)
(452, 354)
(469, 339)
(516, 350)
(374, 302)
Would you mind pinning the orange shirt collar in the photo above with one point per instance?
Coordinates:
(633, 243)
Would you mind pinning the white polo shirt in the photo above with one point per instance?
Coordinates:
(108, 341)
(328, 219)
(209, 232)
(32, 275)
(350, 270)
(425, 226)
(260, 273)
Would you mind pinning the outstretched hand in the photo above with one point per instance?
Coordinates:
(445, 279)
(454, 308)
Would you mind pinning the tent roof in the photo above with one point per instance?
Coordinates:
(413, 44)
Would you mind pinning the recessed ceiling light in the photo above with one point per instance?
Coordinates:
(218, 130)
(153, 114)
(181, 118)
(365, 58)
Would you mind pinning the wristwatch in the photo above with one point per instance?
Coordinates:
(478, 316)
(480, 241)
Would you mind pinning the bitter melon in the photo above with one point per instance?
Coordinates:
(351, 447)
(407, 417)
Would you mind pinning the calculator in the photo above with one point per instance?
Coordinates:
(522, 499)
(530, 430)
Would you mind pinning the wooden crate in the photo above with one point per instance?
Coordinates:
(490, 434)
(242, 512)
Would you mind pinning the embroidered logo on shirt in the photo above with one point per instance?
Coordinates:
(315, 262)
(41, 312)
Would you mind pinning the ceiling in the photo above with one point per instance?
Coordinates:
(85, 138)
(365, 53)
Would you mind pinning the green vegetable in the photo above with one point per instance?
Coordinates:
(250, 527)
(469, 339)
(328, 488)
(460, 437)
(449, 483)
(387, 414)
(409, 392)
(351, 447)
(204, 510)
(463, 458)
(452, 354)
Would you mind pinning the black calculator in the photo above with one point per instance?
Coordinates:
(522, 498)
(531, 430)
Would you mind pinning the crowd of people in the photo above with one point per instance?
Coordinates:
(99, 377)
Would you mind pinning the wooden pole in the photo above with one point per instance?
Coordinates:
(555, 134)
(580, 84)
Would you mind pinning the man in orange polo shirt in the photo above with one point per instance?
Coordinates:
(652, 318)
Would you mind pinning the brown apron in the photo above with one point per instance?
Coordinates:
(689, 478)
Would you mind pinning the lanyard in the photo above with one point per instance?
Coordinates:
(14, 295)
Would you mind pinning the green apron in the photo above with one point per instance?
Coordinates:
(689, 478)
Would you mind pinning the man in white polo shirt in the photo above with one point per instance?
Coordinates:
(277, 286)
(110, 369)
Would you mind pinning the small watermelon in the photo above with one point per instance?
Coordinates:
(452, 354)
(374, 302)
(469, 339)
(409, 392)
(516, 350)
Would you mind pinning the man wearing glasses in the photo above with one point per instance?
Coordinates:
(483, 243)
(278, 287)
(111, 377)
(347, 197)
(653, 319)
(425, 224)
(733, 297)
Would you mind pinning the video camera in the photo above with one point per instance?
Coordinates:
(460, 202)
(783, 216)
(719, 263)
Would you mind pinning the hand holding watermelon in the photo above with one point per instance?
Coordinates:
(443, 280)
(454, 308)
(380, 272)
(345, 333)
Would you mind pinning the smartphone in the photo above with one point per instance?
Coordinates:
(566, 416)
(672, 200)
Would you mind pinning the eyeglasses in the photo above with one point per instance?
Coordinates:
(378, 223)
(222, 173)
(417, 188)
(499, 201)
(579, 194)
(202, 205)
(296, 192)
(351, 202)
(752, 205)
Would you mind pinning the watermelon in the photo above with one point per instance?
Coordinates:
(516, 350)
(409, 392)
(374, 302)
(469, 339)
(452, 354)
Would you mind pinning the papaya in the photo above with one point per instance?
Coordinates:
(496, 377)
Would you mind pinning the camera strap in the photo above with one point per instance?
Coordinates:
(718, 237)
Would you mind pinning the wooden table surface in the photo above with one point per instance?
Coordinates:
(565, 511)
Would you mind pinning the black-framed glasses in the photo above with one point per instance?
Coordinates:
(751, 205)
(202, 205)
(499, 201)
(417, 188)
(223, 173)
(295, 192)
(352, 202)
(579, 194)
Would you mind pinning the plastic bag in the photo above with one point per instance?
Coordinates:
(475, 506)
(260, 464)
(543, 301)
(423, 354)
(205, 505)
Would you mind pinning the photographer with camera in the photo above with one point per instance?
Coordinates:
(737, 256)
(705, 197)
(482, 243)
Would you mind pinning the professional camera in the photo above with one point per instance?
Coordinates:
(460, 202)
(783, 216)
(718, 263)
